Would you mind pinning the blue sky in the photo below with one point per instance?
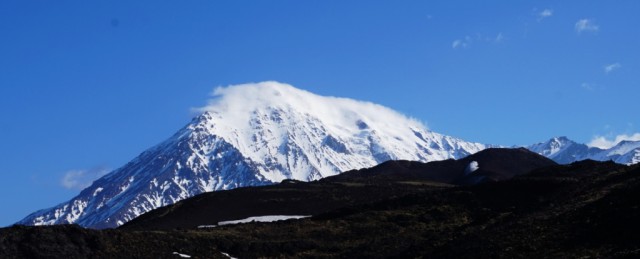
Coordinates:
(85, 86)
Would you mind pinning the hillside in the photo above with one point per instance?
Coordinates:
(585, 209)
(386, 181)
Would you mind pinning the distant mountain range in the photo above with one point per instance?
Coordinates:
(261, 134)
(565, 151)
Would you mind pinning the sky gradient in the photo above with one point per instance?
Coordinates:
(85, 86)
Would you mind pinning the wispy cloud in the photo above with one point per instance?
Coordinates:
(80, 179)
(461, 43)
(588, 86)
(587, 25)
(468, 40)
(457, 44)
(611, 67)
(605, 143)
(544, 14)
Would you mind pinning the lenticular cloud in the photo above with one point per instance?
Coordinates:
(238, 101)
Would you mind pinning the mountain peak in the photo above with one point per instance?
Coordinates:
(254, 134)
(239, 104)
(555, 147)
(562, 139)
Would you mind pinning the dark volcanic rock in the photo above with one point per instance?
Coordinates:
(583, 210)
(73, 241)
(385, 181)
(494, 164)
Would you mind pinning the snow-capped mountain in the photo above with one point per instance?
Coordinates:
(565, 151)
(254, 134)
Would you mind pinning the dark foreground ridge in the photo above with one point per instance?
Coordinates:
(386, 181)
(586, 209)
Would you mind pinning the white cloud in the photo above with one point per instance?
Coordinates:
(238, 103)
(472, 167)
(80, 179)
(467, 40)
(588, 86)
(605, 143)
(586, 25)
(456, 44)
(544, 14)
(611, 67)
(464, 43)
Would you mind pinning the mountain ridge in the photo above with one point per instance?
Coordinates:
(564, 151)
(390, 179)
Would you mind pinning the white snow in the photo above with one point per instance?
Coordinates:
(99, 189)
(182, 255)
(623, 148)
(553, 147)
(270, 218)
(262, 118)
(207, 226)
(227, 255)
